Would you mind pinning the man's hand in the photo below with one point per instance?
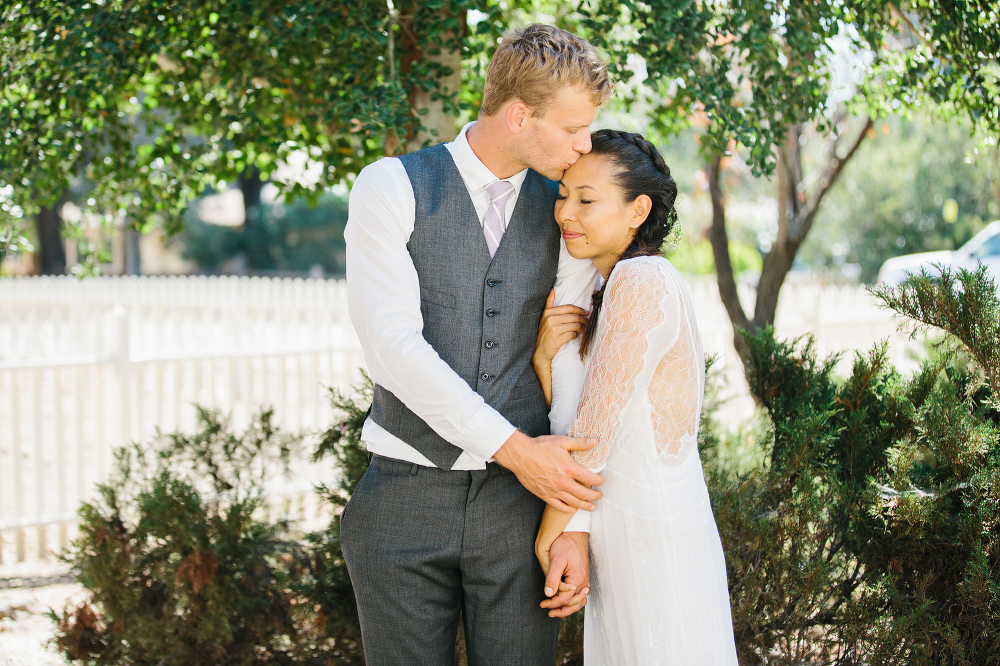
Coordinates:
(568, 581)
(543, 466)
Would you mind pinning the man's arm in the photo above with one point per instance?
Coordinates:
(543, 466)
(384, 304)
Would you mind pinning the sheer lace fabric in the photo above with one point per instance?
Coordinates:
(646, 362)
(658, 574)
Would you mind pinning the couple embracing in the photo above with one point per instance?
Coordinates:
(471, 304)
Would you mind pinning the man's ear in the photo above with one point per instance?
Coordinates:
(640, 210)
(517, 116)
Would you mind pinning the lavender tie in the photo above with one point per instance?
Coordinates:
(495, 222)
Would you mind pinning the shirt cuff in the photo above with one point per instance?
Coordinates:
(580, 522)
(491, 432)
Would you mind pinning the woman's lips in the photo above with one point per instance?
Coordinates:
(570, 235)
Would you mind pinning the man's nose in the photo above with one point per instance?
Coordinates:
(583, 145)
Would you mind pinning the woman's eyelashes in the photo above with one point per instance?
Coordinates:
(562, 197)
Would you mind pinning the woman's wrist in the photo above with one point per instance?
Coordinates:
(543, 546)
(541, 362)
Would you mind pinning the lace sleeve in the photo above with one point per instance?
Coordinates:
(633, 307)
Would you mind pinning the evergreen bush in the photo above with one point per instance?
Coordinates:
(870, 534)
(181, 562)
(327, 583)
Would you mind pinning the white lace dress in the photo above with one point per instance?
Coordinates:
(658, 574)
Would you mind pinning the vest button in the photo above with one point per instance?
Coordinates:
(492, 313)
(491, 282)
(485, 376)
(490, 344)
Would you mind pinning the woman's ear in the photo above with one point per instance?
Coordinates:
(640, 210)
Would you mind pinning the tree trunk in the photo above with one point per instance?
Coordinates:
(796, 212)
(778, 260)
(433, 119)
(125, 253)
(133, 255)
(51, 256)
(250, 185)
(719, 238)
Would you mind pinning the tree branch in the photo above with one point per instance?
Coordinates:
(830, 176)
(778, 260)
(789, 184)
(909, 24)
(720, 250)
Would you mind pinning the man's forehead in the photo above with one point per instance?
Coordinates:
(572, 113)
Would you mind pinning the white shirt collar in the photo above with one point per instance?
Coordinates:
(477, 176)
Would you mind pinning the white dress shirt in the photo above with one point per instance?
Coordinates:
(568, 369)
(384, 305)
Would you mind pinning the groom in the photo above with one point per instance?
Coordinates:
(451, 252)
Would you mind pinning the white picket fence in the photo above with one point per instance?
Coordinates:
(842, 319)
(88, 365)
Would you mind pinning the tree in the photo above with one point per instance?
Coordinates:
(761, 77)
(288, 238)
(48, 228)
(155, 101)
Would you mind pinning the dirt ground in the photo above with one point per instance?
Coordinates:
(25, 630)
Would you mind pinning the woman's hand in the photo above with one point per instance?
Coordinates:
(559, 325)
(567, 598)
(553, 523)
(542, 551)
(543, 542)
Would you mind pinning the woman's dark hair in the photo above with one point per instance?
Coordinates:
(640, 170)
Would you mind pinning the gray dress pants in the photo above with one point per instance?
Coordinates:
(423, 545)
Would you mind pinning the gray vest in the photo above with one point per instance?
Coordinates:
(480, 315)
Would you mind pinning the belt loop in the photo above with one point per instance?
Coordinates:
(414, 467)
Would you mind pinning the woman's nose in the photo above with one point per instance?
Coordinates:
(564, 212)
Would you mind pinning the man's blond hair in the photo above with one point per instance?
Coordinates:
(532, 64)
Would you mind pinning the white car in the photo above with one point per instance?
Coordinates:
(984, 247)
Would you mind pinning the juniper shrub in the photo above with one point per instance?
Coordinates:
(181, 562)
(870, 534)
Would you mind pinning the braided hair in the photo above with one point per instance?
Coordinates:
(640, 170)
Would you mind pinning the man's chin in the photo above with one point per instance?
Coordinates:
(553, 173)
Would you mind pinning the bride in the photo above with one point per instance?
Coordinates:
(659, 592)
